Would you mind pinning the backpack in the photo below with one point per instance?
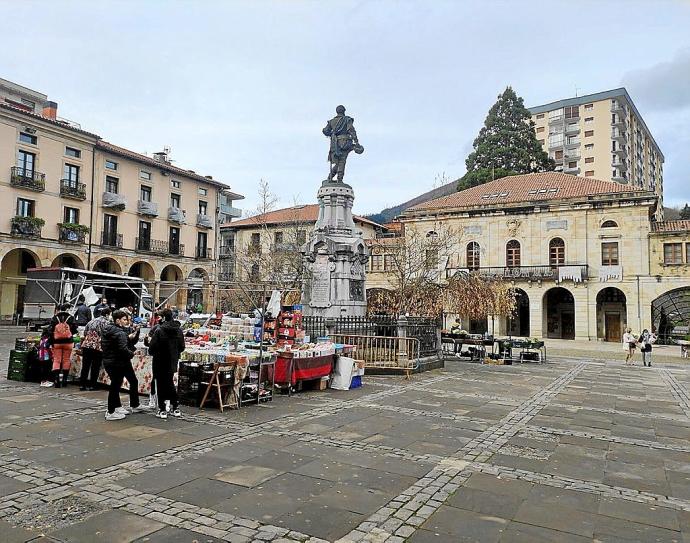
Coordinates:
(62, 330)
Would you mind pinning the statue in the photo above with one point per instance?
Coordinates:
(343, 136)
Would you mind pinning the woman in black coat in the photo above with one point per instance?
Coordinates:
(165, 347)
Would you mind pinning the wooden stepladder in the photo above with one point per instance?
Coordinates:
(221, 381)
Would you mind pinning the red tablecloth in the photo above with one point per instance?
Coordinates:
(303, 369)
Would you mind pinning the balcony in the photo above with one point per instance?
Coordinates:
(619, 178)
(111, 239)
(176, 215)
(618, 121)
(114, 201)
(149, 209)
(572, 155)
(556, 119)
(72, 189)
(572, 171)
(230, 211)
(572, 143)
(203, 253)
(226, 251)
(618, 109)
(28, 179)
(572, 129)
(620, 150)
(226, 276)
(26, 227)
(574, 272)
(72, 233)
(204, 221)
(158, 247)
(618, 163)
(618, 135)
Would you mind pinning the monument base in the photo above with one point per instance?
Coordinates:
(336, 258)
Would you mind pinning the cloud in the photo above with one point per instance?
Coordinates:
(664, 86)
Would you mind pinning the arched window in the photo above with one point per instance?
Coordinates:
(609, 224)
(513, 253)
(473, 256)
(556, 252)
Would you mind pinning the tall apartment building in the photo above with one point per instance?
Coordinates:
(69, 198)
(603, 136)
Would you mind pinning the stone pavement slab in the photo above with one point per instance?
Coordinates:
(177, 535)
(203, 492)
(246, 475)
(108, 527)
(462, 525)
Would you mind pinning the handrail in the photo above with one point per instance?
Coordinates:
(390, 352)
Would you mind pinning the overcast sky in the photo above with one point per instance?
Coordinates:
(241, 90)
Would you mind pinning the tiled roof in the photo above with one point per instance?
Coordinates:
(671, 226)
(38, 117)
(532, 187)
(143, 159)
(299, 214)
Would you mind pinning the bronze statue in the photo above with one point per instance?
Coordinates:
(343, 136)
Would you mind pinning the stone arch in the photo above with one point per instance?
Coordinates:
(671, 314)
(519, 323)
(107, 265)
(558, 310)
(197, 287)
(68, 260)
(171, 287)
(13, 269)
(612, 315)
(143, 270)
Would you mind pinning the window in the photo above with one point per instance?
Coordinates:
(203, 192)
(202, 244)
(589, 133)
(589, 159)
(559, 155)
(557, 252)
(589, 173)
(71, 151)
(111, 184)
(27, 138)
(145, 193)
(203, 207)
(145, 175)
(278, 238)
(110, 230)
(609, 224)
(144, 241)
(25, 208)
(572, 112)
(572, 165)
(589, 120)
(589, 107)
(377, 263)
(255, 239)
(71, 215)
(513, 253)
(673, 253)
(301, 237)
(609, 253)
(174, 241)
(431, 256)
(175, 184)
(175, 200)
(540, 129)
(540, 116)
(572, 139)
(473, 255)
(110, 165)
(589, 146)
(26, 162)
(254, 273)
(71, 174)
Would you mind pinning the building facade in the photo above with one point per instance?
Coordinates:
(602, 136)
(71, 199)
(585, 256)
(280, 230)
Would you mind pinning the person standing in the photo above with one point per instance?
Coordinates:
(646, 339)
(62, 330)
(165, 347)
(629, 344)
(92, 351)
(82, 314)
(101, 305)
(117, 354)
(154, 323)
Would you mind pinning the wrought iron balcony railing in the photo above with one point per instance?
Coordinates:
(203, 253)
(72, 189)
(25, 227)
(28, 179)
(111, 239)
(67, 234)
(157, 246)
(574, 272)
(226, 251)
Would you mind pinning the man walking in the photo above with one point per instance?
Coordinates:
(101, 305)
(92, 350)
(165, 347)
(117, 353)
(82, 314)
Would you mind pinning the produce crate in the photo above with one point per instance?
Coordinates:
(17, 366)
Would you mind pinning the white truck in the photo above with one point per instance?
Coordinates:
(48, 287)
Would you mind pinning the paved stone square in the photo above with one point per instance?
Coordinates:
(574, 450)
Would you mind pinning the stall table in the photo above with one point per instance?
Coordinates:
(290, 369)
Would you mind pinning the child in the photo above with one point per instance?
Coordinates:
(45, 358)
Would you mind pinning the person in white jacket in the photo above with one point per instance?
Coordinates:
(646, 340)
(629, 344)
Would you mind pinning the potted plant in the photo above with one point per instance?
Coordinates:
(27, 226)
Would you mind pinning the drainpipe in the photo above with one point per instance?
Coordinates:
(93, 198)
(639, 309)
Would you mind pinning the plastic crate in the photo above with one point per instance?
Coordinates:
(17, 366)
(356, 382)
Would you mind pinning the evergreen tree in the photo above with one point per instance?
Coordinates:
(506, 144)
(685, 212)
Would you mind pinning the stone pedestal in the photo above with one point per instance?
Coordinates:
(336, 257)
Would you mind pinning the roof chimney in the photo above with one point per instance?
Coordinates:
(50, 110)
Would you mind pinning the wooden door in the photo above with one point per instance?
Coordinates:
(612, 327)
(567, 325)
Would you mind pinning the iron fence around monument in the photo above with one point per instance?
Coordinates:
(424, 329)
